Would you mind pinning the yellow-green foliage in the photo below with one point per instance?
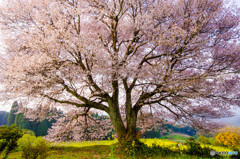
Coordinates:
(218, 148)
(161, 142)
(202, 139)
(229, 139)
(85, 143)
(33, 147)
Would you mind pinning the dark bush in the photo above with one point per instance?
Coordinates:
(194, 148)
(138, 149)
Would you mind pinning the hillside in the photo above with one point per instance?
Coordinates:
(3, 117)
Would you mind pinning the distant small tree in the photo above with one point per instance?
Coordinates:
(9, 136)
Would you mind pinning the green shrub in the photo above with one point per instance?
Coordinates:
(9, 136)
(30, 132)
(203, 140)
(33, 147)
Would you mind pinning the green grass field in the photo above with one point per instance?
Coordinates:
(175, 137)
(107, 149)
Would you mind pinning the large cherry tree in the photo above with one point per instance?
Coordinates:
(128, 58)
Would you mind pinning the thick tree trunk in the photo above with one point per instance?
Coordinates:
(116, 120)
(131, 127)
(131, 117)
(118, 125)
(128, 133)
(124, 134)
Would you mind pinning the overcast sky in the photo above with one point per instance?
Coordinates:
(233, 120)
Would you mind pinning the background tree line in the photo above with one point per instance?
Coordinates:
(41, 128)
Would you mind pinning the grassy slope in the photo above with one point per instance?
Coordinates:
(102, 149)
(176, 137)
